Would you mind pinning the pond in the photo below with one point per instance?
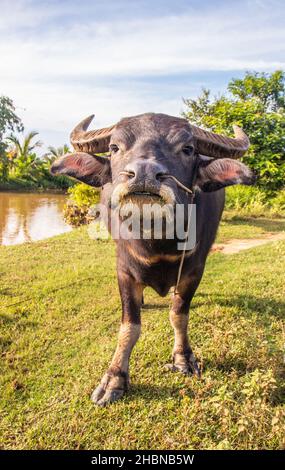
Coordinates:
(26, 217)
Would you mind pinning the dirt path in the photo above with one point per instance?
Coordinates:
(235, 245)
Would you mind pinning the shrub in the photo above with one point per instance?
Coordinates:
(278, 203)
(242, 196)
(254, 202)
(81, 198)
(83, 195)
(75, 215)
(246, 200)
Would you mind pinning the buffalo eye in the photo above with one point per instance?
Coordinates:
(114, 148)
(188, 150)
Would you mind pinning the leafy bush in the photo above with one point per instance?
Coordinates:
(83, 195)
(278, 202)
(243, 196)
(81, 198)
(74, 215)
(254, 202)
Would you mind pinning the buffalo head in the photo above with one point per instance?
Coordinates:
(145, 149)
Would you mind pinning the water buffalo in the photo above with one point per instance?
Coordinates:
(148, 155)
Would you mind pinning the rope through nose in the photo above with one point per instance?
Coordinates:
(166, 176)
(127, 173)
(190, 191)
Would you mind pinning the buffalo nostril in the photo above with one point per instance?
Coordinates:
(128, 173)
(160, 176)
(131, 174)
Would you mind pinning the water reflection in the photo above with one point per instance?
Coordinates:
(27, 217)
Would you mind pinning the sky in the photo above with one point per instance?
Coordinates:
(61, 61)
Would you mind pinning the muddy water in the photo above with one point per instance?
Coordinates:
(26, 217)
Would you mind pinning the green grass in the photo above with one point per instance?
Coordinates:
(60, 313)
(248, 227)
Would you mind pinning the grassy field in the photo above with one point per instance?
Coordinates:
(60, 313)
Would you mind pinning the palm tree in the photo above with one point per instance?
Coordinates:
(25, 158)
(27, 147)
(56, 152)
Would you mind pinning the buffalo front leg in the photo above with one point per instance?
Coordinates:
(183, 359)
(115, 382)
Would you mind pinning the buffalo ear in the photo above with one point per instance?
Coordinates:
(90, 169)
(217, 174)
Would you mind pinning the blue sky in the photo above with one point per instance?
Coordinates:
(63, 60)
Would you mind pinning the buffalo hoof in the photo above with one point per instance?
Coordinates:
(186, 365)
(110, 389)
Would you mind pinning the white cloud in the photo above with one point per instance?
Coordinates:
(60, 69)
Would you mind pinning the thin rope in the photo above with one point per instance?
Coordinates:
(184, 247)
(166, 176)
(189, 191)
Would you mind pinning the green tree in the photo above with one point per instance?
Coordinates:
(56, 152)
(25, 160)
(9, 121)
(256, 103)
